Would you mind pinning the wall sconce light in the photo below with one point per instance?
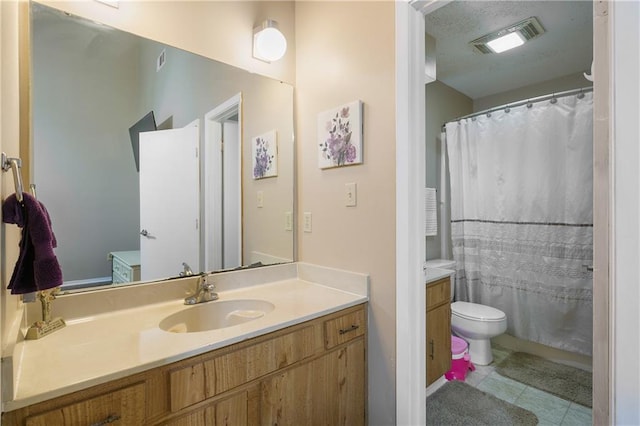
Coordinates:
(269, 44)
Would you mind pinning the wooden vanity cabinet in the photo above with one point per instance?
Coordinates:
(310, 373)
(123, 406)
(438, 335)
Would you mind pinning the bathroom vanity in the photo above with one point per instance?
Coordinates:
(304, 362)
(438, 334)
(312, 372)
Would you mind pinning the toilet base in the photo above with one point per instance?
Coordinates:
(480, 350)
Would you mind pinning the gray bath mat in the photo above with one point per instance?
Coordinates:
(457, 403)
(560, 380)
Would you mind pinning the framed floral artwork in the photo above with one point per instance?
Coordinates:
(340, 136)
(264, 150)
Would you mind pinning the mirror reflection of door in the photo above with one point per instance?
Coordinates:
(169, 201)
(223, 186)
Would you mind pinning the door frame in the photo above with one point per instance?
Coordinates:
(212, 194)
(409, 410)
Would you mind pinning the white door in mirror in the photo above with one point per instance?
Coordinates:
(169, 201)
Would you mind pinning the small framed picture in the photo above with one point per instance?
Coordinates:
(340, 136)
(264, 149)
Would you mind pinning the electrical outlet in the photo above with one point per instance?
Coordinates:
(350, 195)
(260, 199)
(288, 221)
(307, 222)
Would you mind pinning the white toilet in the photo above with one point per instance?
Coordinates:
(475, 323)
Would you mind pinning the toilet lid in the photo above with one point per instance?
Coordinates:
(475, 311)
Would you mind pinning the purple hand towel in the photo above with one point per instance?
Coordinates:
(37, 267)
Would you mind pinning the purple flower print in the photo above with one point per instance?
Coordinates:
(263, 160)
(338, 147)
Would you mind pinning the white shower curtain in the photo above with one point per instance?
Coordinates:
(521, 217)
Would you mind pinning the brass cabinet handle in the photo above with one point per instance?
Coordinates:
(112, 418)
(347, 330)
(431, 344)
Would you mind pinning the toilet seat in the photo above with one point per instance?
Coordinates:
(477, 312)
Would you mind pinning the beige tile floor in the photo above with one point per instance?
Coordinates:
(550, 409)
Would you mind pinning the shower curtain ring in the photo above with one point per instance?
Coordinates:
(553, 99)
(507, 109)
(580, 95)
(529, 104)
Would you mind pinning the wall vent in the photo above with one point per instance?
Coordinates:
(528, 29)
(162, 59)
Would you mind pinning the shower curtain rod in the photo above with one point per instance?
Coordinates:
(527, 102)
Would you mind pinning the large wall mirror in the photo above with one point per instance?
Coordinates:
(210, 189)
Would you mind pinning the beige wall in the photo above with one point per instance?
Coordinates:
(568, 82)
(346, 51)
(9, 143)
(333, 67)
(221, 30)
(443, 104)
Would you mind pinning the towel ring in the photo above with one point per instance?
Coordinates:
(14, 164)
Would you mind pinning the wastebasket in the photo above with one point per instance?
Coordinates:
(460, 360)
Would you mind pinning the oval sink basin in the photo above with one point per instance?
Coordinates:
(215, 315)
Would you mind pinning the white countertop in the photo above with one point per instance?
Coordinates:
(435, 274)
(97, 349)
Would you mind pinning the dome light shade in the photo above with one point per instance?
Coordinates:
(269, 44)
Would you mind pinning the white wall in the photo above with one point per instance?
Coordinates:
(626, 211)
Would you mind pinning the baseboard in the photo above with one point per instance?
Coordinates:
(580, 361)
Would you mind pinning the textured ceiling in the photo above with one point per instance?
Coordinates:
(565, 48)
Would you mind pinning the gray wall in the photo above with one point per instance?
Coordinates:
(443, 105)
(82, 161)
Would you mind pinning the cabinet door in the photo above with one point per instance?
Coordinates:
(232, 411)
(438, 342)
(326, 391)
(125, 407)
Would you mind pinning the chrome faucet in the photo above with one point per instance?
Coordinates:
(204, 292)
(186, 272)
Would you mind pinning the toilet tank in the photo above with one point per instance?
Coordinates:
(444, 264)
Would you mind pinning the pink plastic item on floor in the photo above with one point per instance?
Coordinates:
(460, 360)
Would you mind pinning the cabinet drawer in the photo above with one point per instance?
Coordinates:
(195, 383)
(343, 329)
(122, 407)
(118, 279)
(438, 292)
(122, 270)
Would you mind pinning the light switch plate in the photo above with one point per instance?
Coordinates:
(288, 221)
(307, 222)
(260, 199)
(350, 194)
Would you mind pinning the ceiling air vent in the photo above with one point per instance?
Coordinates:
(525, 30)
